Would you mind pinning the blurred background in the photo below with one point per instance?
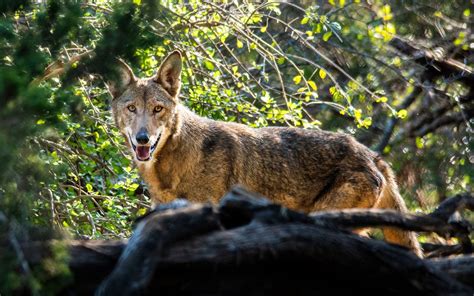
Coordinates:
(396, 74)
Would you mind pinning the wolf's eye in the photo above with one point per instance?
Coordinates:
(132, 108)
(157, 109)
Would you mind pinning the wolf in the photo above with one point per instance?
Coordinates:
(182, 155)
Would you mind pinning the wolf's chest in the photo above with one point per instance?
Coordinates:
(166, 184)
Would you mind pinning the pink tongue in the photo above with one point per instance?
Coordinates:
(143, 152)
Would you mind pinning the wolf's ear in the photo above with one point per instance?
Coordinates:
(122, 80)
(169, 73)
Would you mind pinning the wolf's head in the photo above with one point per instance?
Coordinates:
(145, 109)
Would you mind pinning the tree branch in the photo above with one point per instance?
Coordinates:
(435, 65)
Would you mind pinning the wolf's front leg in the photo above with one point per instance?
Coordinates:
(165, 196)
(163, 192)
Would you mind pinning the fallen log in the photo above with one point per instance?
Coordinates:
(460, 268)
(248, 245)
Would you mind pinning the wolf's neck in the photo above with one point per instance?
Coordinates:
(188, 129)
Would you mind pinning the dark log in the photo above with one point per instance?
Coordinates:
(277, 259)
(138, 261)
(460, 268)
(242, 204)
(248, 245)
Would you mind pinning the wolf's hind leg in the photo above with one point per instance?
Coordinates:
(391, 199)
(349, 191)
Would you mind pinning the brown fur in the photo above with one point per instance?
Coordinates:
(200, 159)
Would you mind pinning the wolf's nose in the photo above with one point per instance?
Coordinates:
(142, 137)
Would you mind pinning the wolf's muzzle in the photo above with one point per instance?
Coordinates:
(142, 136)
(143, 152)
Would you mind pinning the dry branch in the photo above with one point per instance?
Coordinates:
(59, 67)
(435, 64)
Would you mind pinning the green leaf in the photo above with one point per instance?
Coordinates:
(281, 60)
(419, 143)
(317, 28)
(209, 65)
(402, 113)
(263, 29)
(327, 35)
(89, 187)
(297, 79)
(367, 122)
(322, 73)
(358, 114)
(106, 144)
(239, 44)
(313, 85)
(133, 187)
(305, 20)
(381, 100)
(301, 90)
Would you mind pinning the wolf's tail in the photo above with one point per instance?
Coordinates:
(390, 198)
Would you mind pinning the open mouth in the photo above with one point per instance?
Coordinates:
(144, 152)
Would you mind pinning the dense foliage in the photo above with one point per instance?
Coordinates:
(339, 65)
